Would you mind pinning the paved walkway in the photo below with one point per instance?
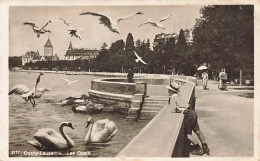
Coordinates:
(227, 120)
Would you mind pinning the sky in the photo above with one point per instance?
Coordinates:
(93, 35)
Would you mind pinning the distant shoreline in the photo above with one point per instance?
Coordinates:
(109, 74)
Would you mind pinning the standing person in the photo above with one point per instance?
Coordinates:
(205, 78)
(130, 76)
(222, 80)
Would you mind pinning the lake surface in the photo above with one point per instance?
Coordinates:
(24, 120)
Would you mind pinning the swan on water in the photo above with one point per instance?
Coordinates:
(110, 23)
(139, 58)
(37, 29)
(35, 95)
(157, 24)
(50, 139)
(26, 93)
(100, 131)
(19, 89)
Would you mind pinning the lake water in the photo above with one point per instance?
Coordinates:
(24, 120)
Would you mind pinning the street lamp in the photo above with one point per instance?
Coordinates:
(89, 66)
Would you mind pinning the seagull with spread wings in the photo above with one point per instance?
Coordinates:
(65, 22)
(37, 29)
(139, 58)
(69, 81)
(111, 24)
(157, 24)
(75, 33)
(72, 30)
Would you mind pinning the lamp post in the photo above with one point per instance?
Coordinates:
(241, 78)
(89, 66)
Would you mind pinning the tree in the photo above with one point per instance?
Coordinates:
(224, 37)
(15, 61)
(181, 40)
(116, 53)
(129, 45)
(180, 54)
(138, 43)
(129, 58)
(100, 62)
(104, 46)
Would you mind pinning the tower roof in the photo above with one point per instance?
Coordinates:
(70, 46)
(48, 43)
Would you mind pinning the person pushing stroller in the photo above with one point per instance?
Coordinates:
(205, 78)
(222, 80)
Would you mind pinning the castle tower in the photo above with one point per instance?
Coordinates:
(48, 48)
(70, 46)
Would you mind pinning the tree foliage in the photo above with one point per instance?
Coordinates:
(224, 37)
(15, 61)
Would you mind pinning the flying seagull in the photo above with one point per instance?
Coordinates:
(139, 58)
(72, 30)
(65, 22)
(69, 81)
(37, 29)
(111, 24)
(157, 24)
(75, 33)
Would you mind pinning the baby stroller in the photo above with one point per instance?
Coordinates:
(222, 84)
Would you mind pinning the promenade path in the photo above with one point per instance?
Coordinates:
(226, 118)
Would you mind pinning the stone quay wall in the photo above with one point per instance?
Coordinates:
(164, 135)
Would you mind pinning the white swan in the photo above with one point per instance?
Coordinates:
(50, 139)
(34, 94)
(110, 23)
(101, 131)
(19, 89)
(157, 24)
(28, 94)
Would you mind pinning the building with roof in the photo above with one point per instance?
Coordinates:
(163, 38)
(48, 52)
(80, 54)
(48, 48)
(32, 56)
